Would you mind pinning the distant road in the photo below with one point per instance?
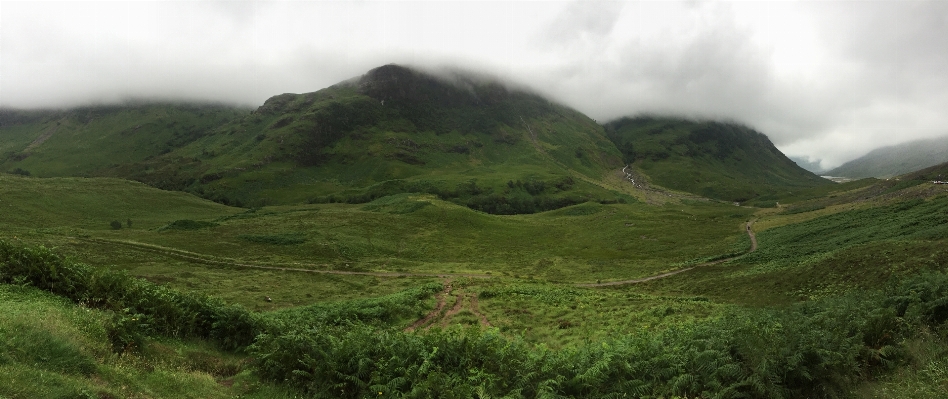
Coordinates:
(753, 248)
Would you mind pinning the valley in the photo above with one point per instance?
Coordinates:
(406, 235)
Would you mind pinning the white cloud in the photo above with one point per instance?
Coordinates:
(829, 80)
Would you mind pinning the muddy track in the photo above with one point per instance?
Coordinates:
(753, 248)
(458, 305)
(198, 258)
(477, 312)
(429, 318)
(438, 317)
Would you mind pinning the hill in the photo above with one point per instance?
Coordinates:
(718, 160)
(895, 160)
(94, 140)
(465, 138)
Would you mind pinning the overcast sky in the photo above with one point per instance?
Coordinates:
(828, 80)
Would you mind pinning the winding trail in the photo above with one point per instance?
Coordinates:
(753, 248)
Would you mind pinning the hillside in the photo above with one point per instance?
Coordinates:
(396, 130)
(712, 159)
(839, 301)
(94, 140)
(895, 160)
(465, 138)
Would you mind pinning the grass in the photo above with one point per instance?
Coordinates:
(407, 233)
(716, 160)
(819, 252)
(51, 348)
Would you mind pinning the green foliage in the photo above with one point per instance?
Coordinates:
(186, 224)
(387, 310)
(140, 303)
(793, 244)
(816, 350)
(20, 171)
(115, 225)
(274, 239)
(717, 160)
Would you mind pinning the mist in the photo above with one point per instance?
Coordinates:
(826, 81)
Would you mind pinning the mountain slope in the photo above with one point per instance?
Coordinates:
(895, 160)
(90, 141)
(468, 139)
(713, 159)
(399, 127)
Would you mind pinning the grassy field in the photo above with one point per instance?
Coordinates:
(818, 256)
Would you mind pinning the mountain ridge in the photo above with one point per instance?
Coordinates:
(896, 160)
(470, 139)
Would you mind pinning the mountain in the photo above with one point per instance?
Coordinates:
(895, 160)
(717, 160)
(91, 140)
(466, 138)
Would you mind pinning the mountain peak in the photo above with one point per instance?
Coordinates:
(446, 87)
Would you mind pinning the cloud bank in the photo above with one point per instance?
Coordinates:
(825, 80)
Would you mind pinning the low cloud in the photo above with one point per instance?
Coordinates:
(827, 80)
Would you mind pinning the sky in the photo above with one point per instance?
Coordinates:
(827, 81)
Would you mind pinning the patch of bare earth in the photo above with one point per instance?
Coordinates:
(429, 318)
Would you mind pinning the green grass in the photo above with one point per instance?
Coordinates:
(712, 159)
(561, 316)
(834, 252)
(51, 348)
(829, 265)
(416, 233)
(340, 141)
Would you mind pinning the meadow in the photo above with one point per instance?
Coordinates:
(410, 295)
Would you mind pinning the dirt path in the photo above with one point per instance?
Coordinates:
(198, 258)
(434, 313)
(437, 318)
(458, 305)
(477, 312)
(753, 248)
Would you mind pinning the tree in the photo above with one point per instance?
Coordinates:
(116, 225)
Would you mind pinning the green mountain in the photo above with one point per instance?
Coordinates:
(464, 138)
(93, 140)
(895, 160)
(713, 159)
(395, 130)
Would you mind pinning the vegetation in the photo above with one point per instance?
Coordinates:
(418, 236)
(816, 349)
(712, 159)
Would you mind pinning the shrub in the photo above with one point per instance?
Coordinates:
(116, 225)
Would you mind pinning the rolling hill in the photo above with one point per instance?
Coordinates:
(713, 159)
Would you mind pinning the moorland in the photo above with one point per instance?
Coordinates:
(407, 234)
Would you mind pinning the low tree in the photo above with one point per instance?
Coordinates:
(116, 225)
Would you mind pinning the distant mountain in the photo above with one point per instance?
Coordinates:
(466, 138)
(717, 160)
(895, 160)
(806, 163)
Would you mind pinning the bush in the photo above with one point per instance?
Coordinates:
(116, 225)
